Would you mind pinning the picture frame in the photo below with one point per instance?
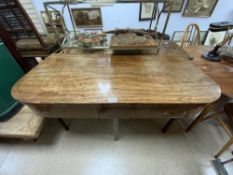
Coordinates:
(146, 10)
(213, 38)
(55, 20)
(203, 35)
(87, 17)
(177, 6)
(178, 35)
(200, 8)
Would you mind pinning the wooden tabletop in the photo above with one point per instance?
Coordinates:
(220, 72)
(166, 78)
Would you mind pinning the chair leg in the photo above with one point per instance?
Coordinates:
(225, 127)
(200, 117)
(217, 114)
(225, 147)
(195, 123)
(168, 125)
(64, 125)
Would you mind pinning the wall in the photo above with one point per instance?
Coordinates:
(126, 15)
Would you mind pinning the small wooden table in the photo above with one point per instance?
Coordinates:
(91, 84)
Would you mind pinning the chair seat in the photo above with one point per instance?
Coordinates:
(34, 44)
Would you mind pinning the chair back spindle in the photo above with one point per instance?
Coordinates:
(191, 36)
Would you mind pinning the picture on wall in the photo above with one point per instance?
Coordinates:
(213, 38)
(200, 8)
(176, 7)
(203, 35)
(55, 20)
(87, 17)
(146, 10)
(178, 35)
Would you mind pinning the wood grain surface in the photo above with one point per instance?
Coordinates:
(166, 78)
(220, 72)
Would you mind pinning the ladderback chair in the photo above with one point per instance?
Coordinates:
(227, 126)
(191, 36)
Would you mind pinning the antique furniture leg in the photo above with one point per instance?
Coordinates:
(225, 147)
(228, 109)
(213, 115)
(64, 125)
(200, 117)
(225, 127)
(168, 125)
(195, 122)
(115, 128)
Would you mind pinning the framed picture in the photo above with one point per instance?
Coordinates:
(213, 38)
(199, 8)
(146, 10)
(55, 20)
(87, 17)
(203, 35)
(178, 35)
(177, 6)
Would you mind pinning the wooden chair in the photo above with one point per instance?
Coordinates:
(191, 36)
(17, 28)
(228, 110)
